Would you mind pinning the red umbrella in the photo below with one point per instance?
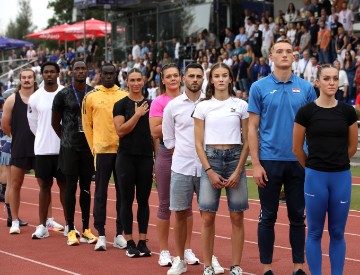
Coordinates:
(57, 33)
(93, 27)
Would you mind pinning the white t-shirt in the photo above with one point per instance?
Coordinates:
(39, 116)
(222, 119)
(152, 93)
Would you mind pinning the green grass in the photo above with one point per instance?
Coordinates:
(253, 192)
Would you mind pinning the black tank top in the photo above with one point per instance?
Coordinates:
(23, 139)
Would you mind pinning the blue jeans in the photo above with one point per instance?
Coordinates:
(223, 162)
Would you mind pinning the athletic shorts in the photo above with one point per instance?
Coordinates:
(47, 167)
(26, 163)
(73, 162)
(182, 189)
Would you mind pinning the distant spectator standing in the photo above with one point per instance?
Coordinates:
(346, 17)
(135, 50)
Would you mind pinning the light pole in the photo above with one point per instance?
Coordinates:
(84, 18)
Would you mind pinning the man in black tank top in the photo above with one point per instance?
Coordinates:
(15, 125)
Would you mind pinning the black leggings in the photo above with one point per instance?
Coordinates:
(134, 171)
(85, 199)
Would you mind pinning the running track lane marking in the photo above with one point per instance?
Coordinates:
(39, 263)
(194, 232)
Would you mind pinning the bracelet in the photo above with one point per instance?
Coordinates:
(208, 169)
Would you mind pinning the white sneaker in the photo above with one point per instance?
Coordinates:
(190, 257)
(235, 270)
(66, 231)
(101, 244)
(178, 267)
(41, 232)
(51, 224)
(217, 267)
(15, 227)
(165, 258)
(120, 242)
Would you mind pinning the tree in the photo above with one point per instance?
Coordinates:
(63, 10)
(23, 21)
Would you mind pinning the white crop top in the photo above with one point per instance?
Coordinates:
(222, 119)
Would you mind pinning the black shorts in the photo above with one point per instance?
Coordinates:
(47, 167)
(73, 162)
(26, 163)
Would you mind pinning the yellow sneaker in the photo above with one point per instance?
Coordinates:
(88, 237)
(71, 238)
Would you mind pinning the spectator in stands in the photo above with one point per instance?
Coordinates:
(201, 43)
(323, 42)
(311, 71)
(30, 54)
(250, 30)
(291, 13)
(144, 49)
(350, 68)
(23, 52)
(304, 63)
(242, 75)
(304, 40)
(262, 69)
(229, 37)
(295, 65)
(135, 51)
(342, 91)
(341, 43)
(257, 42)
(241, 37)
(346, 17)
(352, 39)
(314, 29)
(291, 32)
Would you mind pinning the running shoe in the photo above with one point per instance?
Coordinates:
(66, 231)
(21, 222)
(178, 267)
(41, 232)
(165, 258)
(208, 270)
(235, 270)
(88, 237)
(15, 227)
(190, 257)
(119, 242)
(269, 272)
(51, 224)
(100, 244)
(144, 250)
(71, 238)
(131, 249)
(217, 267)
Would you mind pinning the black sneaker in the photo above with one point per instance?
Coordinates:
(299, 272)
(144, 250)
(131, 250)
(269, 272)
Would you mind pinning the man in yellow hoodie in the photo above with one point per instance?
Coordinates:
(98, 125)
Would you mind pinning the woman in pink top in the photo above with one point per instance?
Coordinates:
(169, 89)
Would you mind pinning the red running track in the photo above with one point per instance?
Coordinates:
(19, 254)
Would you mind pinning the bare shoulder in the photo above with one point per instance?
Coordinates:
(9, 103)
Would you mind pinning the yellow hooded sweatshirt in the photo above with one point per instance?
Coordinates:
(97, 119)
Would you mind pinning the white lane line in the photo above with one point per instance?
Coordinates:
(39, 263)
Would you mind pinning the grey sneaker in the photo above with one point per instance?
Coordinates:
(208, 270)
(235, 270)
(101, 244)
(120, 242)
(41, 232)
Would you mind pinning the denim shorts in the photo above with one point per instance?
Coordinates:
(182, 188)
(223, 162)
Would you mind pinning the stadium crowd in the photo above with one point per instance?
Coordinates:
(82, 96)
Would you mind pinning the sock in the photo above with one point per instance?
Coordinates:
(8, 210)
(3, 189)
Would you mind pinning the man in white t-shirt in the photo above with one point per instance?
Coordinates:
(268, 40)
(135, 50)
(47, 144)
(346, 17)
(304, 62)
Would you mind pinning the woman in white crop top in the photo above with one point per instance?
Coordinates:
(221, 127)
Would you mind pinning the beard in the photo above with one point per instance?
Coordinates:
(193, 89)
